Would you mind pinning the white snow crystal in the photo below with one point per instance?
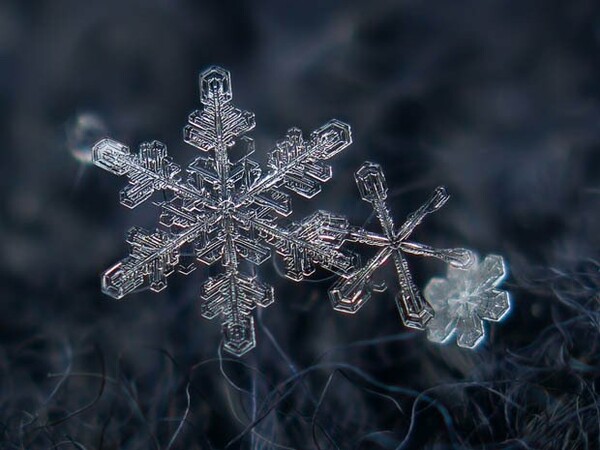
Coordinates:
(466, 298)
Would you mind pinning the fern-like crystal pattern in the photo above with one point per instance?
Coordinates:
(350, 293)
(227, 211)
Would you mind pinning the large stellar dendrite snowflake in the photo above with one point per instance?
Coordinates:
(464, 299)
(354, 290)
(227, 211)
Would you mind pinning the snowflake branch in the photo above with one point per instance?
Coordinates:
(316, 240)
(150, 170)
(295, 164)
(456, 257)
(152, 259)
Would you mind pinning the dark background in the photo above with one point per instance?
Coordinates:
(497, 100)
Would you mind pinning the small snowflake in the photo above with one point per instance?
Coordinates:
(352, 291)
(466, 298)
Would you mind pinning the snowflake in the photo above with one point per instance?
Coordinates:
(352, 292)
(227, 211)
(466, 298)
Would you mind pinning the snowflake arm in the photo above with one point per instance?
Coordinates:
(232, 296)
(148, 171)
(351, 293)
(466, 298)
(154, 256)
(314, 241)
(297, 164)
(217, 125)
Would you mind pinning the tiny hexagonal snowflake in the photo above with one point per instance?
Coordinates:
(465, 298)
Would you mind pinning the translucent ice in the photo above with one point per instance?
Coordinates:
(228, 211)
(353, 291)
(465, 298)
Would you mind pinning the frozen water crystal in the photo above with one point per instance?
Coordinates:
(464, 299)
(228, 211)
(353, 291)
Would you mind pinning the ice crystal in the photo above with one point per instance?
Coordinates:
(466, 298)
(353, 291)
(227, 211)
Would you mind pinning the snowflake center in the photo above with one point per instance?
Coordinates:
(462, 304)
(227, 207)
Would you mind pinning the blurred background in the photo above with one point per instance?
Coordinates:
(497, 100)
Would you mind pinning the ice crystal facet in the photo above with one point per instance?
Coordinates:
(466, 298)
(227, 211)
(353, 291)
